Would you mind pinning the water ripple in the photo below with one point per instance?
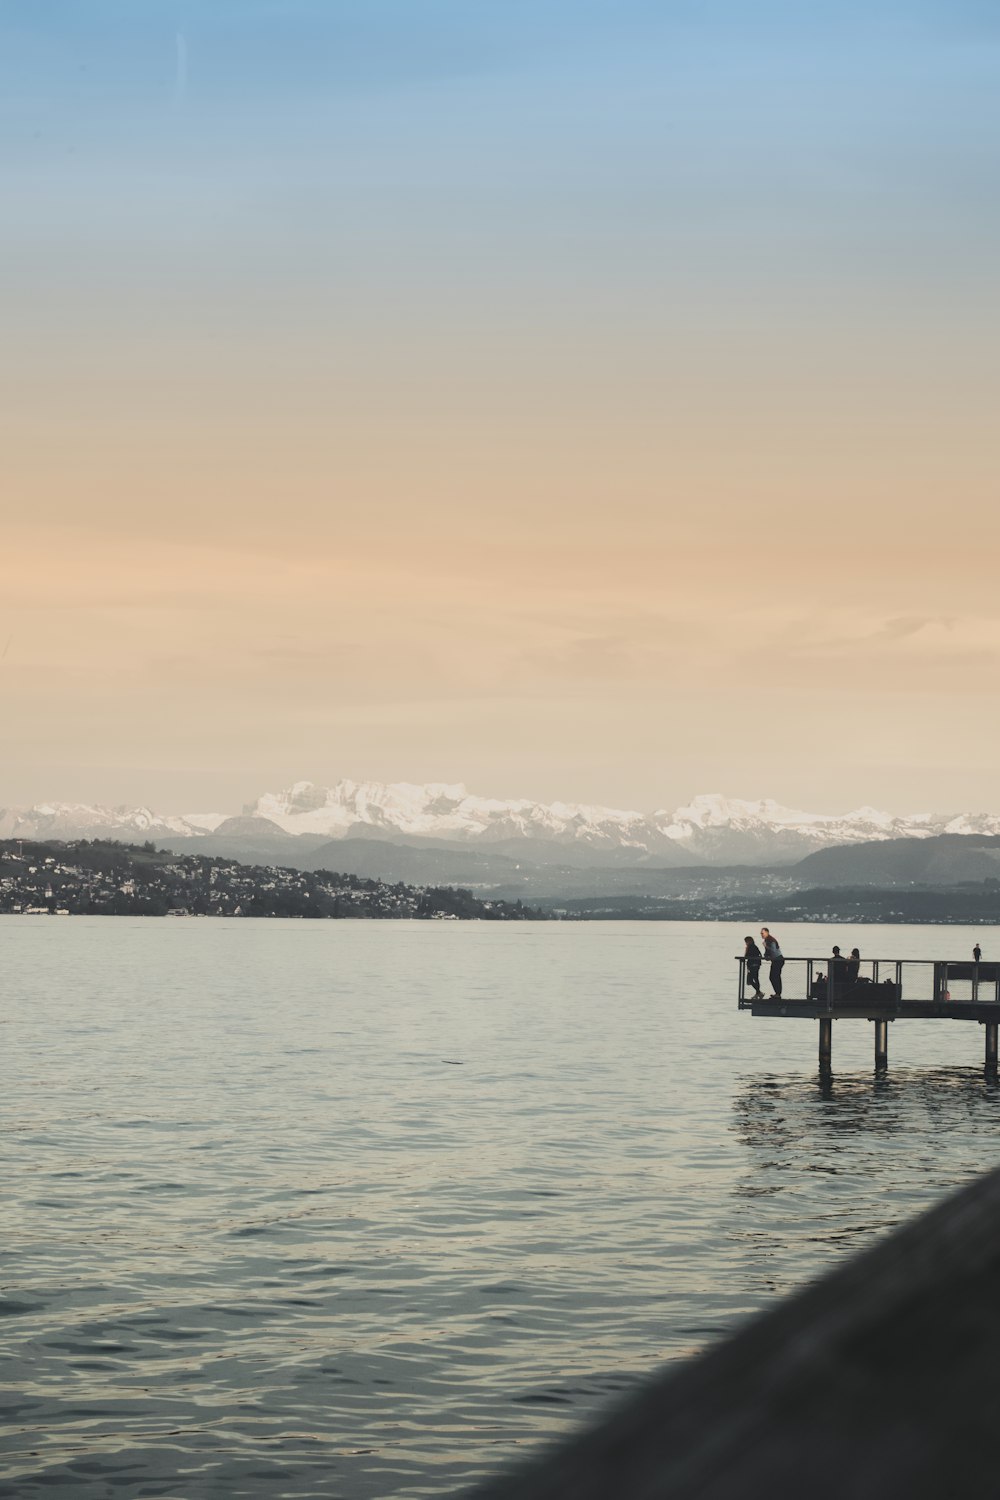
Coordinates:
(368, 1214)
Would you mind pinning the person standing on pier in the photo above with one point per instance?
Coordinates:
(977, 954)
(753, 956)
(775, 958)
(838, 965)
(852, 966)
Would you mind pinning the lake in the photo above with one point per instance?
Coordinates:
(366, 1209)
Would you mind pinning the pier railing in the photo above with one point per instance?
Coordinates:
(882, 983)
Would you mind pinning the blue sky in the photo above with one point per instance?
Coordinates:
(484, 161)
(745, 130)
(914, 69)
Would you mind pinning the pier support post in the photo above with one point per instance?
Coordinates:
(881, 1045)
(991, 1046)
(825, 1044)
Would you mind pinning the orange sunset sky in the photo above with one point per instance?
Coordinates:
(591, 401)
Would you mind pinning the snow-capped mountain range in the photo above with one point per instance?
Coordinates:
(712, 829)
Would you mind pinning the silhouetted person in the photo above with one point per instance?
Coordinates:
(977, 954)
(775, 958)
(852, 966)
(838, 968)
(753, 957)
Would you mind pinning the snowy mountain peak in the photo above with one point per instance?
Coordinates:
(712, 810)
(711, 827)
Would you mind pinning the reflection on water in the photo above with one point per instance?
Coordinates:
(831, 1162)
(804, 1113)
(365, 1209)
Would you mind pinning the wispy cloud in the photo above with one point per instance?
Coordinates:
(906, 626)
(899, 634)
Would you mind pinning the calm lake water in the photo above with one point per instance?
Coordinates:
(366, 1209)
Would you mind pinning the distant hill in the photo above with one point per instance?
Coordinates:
(948, 859)
(247, 840)
(519, 870)
(381, 860)
(843, 905)
(532, 868)
(104, 878)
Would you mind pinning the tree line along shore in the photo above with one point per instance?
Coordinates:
(108, 878)
(101, 878)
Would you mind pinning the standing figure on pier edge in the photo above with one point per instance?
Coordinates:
(853, 965)
(775, 958)
(977, 954)
(838, 966)
(753, 956)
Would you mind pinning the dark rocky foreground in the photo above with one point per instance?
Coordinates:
(110, 879)
(870, 1382)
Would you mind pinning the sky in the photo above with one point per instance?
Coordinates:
(581, 399)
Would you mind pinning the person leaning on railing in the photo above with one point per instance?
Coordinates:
(753, 956)
(775, 958)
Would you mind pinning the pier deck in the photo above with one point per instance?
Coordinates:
(884, 990)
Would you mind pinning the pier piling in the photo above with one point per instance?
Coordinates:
(825, 1044)
(881, 1045)
(991, 1046)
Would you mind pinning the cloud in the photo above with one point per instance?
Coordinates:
(909, 625)
(893, 637)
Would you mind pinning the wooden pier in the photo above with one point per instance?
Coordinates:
(881, 991)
